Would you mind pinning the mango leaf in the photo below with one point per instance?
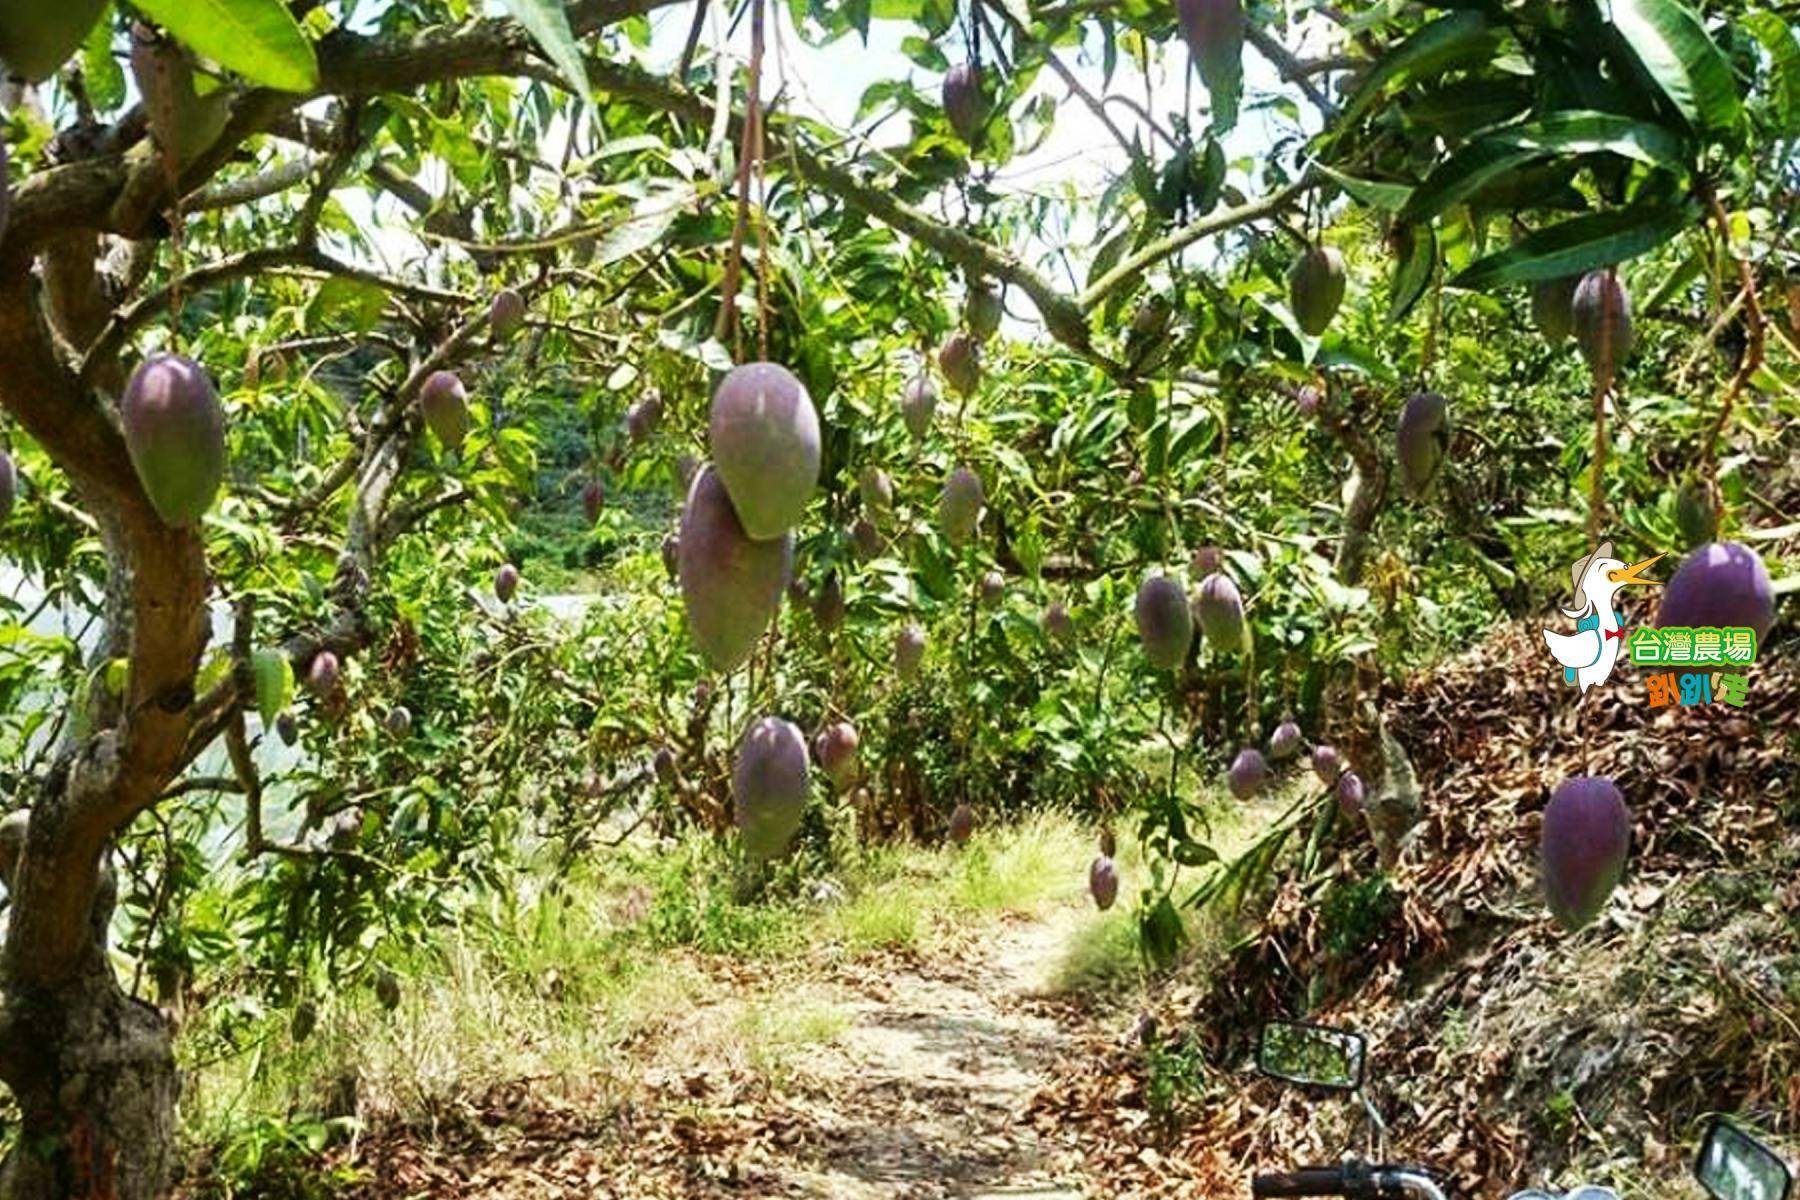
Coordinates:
(101, 72)
(1681, 59)
(258, 39)
(1777, 38)
(116, 676)
(358, 303)
(1195, 432)
(643, 228)
(1413, 272)
(1691, 268)
(1463, 174)
(548, 25)
(37, 36)
(1458, 109)
(1389, 197)
(1457, 38)
(1483, 162)
(274, 680)
(1160, 931)
(1579, 132)
(1580, 244)
(1363, 360)
(1221, 68)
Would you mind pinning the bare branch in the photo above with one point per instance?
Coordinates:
(1290, 68)
(1187, 235)
(253, 187)
(200, 783)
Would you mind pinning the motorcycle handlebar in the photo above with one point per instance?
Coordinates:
(1354, 1180)
(1307, 1181)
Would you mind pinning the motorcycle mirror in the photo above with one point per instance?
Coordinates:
(1732, 1165)
(1316, 1055)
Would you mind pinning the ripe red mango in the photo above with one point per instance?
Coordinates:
(765, 444)
(731, 583)
(768, 787)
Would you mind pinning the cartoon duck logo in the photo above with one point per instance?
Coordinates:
(1587, 655)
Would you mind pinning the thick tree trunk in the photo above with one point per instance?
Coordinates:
(93, 1071)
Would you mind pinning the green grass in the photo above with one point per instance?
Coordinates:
(557, 983)
(1019, 867)
(884, 917)
(576, 986)
(1101, 956)
(771, 1028)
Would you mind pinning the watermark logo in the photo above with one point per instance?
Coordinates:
(1589, 654)
(1689, 647)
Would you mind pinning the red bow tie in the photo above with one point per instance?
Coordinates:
(1613, 633)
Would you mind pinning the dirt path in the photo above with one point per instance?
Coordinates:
(909, 1080)
(922, 1094)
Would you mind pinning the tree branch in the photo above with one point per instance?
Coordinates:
(124, 192)
(1291, 69)
(1187, 235)
(253, 187)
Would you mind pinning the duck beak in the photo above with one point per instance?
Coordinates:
(1634, 573)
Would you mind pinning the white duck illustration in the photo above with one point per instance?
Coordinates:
(1588, 654)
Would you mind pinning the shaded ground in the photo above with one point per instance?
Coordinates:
(904, 1076)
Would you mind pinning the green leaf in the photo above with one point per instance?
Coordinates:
(1110, 252)
(1221, 68)
(274, 679)
(37, 36)
(1389, 197)
(258, 39)
(1458, 109)
(1450, 40)
(1487, 161)
(546, 22)
(643, 228)
(1673, 48)
(359, 304)
(1195, 854)
(1777, 38)
(926, 53)
(1413, 272)
(1578, 245)
(1463, 174)
(1160, 931)
(1691, 268)
(1581, 132)
(101, 72)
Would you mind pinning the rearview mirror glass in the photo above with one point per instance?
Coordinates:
(1732, 1165)
(1316, 1055)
